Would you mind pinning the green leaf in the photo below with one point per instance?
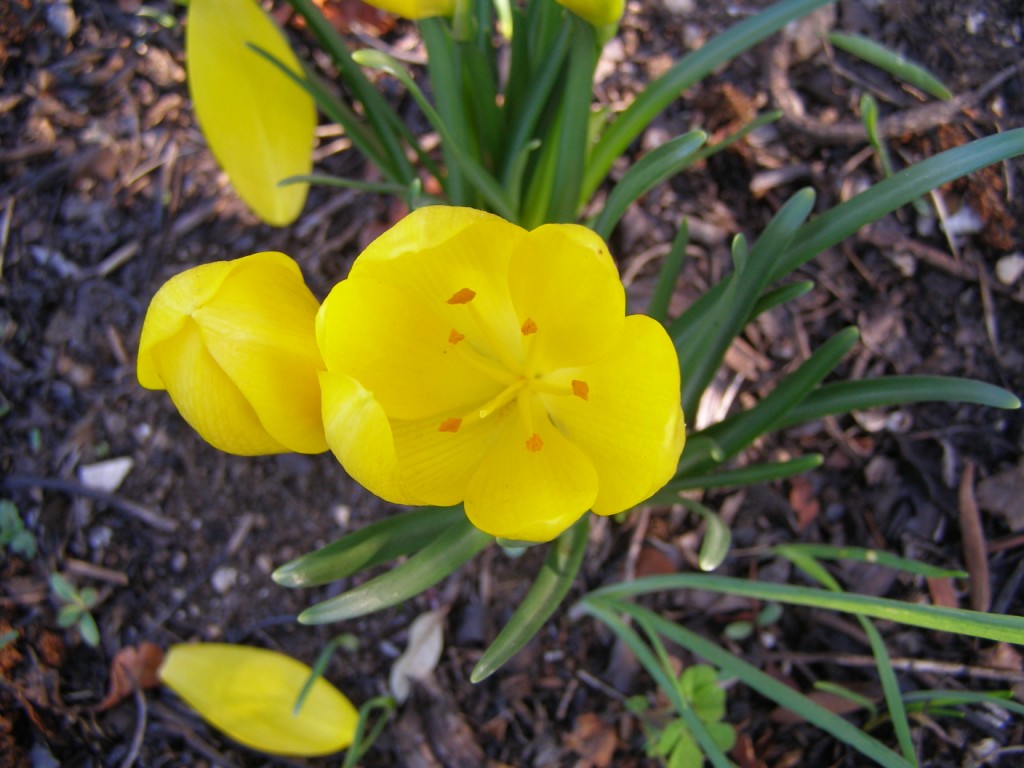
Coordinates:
(730, 478)
(840, 222)
(736, 432)
(845, 693)
(891, 62)
(652, 169)
(699, 684)
(375, 544)
(546, 593)
(1001, 699)
(668, 275)
(88, 630)
(714, 548)
(875, 556)
(380, 187)
(381, 706)
(62, 588)
(773, 298)
(845, 396)
(686, 72)
(441, 557)
(1008, 629)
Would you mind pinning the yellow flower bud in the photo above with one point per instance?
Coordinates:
(234, 345)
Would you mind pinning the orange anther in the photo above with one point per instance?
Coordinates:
(455, 337)
(534, 444)
(580, 389)
(462, 296)
(528, 327)
(450, 425)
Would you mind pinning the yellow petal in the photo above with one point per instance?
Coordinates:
(260, 328)
(360, 437)
(258, 122)
(597, 12)
(415, 9)
(563, 280)
(630, 426)
(530, 487)
(207, 399)
(250, 694)
(437, 251)
(435, 465)
(400, 350)
(171, 308)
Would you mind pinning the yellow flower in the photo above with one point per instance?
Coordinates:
(250, 694)
(597, 12)
(258, 123)
(469, 360)
(415, 9)
(233, 344)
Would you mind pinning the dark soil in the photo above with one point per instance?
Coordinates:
(106, 190)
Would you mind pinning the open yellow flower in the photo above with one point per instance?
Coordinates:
(233, 344)
(597, 12)
(250, 694)
(415, 9)
(258, 122)
(469, 360)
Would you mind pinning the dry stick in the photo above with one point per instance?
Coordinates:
(923, 666)
(915, 120)
(975, 557)
(140, 730)
(149, 516)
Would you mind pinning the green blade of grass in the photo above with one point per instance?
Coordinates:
(668, 275)
(1008, 629)
(549, 588)
(891, 62)
(751, 475)
(785, 293)
(873, 556)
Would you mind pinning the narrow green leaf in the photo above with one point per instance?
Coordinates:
(886, 196)
(438, 559)
(750, 475)
(1001, 699)
(845, 693)
(874, 556)
(88, 630)
(62, 588)
(369, 546)
(1008, 629)
(652, 169)
(785, 293)
(485, 184)
(845, 396)
(891, 62)
(380, 187)
(736, 432)
(759, 681)
(549, 588)
(317, 670)
(381, 706)
(714, 548)
(668, 275)
(687, 71)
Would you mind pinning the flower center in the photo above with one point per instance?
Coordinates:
(521, 382)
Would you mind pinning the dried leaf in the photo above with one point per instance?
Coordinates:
(593, 740)
(943, 592)
(132, 668)
(106, 476)
(1002, 493)
(803, 501)
(426, 641)
(975, 554)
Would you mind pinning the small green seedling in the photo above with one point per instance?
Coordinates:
(75, 608)
(673, 743)
(13, 533)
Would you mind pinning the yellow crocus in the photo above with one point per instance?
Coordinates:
(233, 344)
(250, 695)
(415, 9)
(258, 122)
(597, 12)
(469, 360)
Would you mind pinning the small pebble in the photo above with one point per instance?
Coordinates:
(1010, 268)
(223, 579)
(179, 562)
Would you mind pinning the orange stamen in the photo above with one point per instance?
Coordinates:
(462, 296)
(534, 444)
(450, 425)
(580, 389)
(529, 327)
(455, 337)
